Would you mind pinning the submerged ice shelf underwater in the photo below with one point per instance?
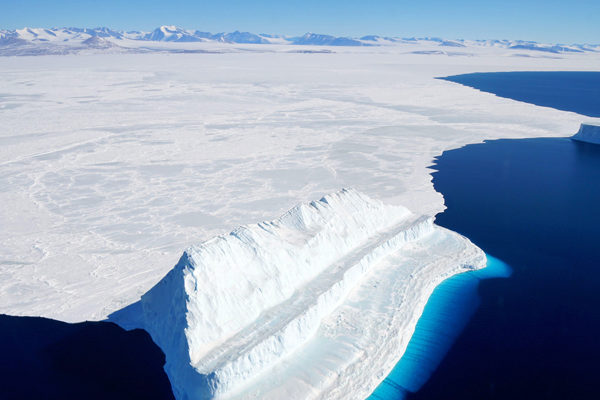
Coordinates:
(319, 303)
(448, 311)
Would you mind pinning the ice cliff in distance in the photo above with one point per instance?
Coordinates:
(236, 315)
(588, 133)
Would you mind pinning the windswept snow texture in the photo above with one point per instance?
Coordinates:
(112, 164)
(341, 281)
(588, 133)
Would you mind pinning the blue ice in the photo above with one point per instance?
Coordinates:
(447, 312)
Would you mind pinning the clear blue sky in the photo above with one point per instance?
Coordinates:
(574, 21)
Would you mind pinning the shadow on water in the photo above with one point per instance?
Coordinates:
(533, 203)
(48, 359)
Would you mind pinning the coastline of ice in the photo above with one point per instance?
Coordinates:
(114, 163)
(447, 312)
(244, 303)
(588, 133)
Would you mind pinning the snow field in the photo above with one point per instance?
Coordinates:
(111, 165)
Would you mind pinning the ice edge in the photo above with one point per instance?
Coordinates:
(588, 133)
(239, 304)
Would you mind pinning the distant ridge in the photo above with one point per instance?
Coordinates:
(327, 40)
(68, 40)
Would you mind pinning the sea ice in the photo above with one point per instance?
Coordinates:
(111, 164)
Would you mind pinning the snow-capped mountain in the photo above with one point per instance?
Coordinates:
(546, 48)
(102, 32)
(241, 37)
(326, 40)
(38, 41)
(171, 34)
(98, 42)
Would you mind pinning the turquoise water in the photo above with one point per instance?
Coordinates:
(534, 204)
(448, 310)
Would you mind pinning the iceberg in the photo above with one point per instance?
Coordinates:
(238, 316)
(588, 133)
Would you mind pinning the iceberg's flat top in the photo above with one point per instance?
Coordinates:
(238, 315)
(588, 133)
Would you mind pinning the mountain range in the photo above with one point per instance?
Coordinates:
(32, 41)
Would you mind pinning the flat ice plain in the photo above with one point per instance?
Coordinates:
(112, 164)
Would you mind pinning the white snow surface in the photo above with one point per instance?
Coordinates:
(588, 133)
(238, 305)
(112, 164)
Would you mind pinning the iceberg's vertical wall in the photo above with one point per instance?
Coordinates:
(447, 312)
(588, 133)
(239, 304)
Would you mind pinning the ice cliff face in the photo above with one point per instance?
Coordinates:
(240, 304)
(588, 133)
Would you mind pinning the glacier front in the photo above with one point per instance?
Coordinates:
(588, 133)
(319, 303)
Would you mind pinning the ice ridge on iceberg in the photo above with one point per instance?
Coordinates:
(241, 304)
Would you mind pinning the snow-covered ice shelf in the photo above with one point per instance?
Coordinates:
(341, 281)
(111, 164)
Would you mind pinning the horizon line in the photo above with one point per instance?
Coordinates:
(294, 36)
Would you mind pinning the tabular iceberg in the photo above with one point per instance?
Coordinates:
(319, 303)
(588, 133)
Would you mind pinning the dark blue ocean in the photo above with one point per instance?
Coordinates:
(569, 91)
(533, 203)
(47, 359)
(534, 331)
